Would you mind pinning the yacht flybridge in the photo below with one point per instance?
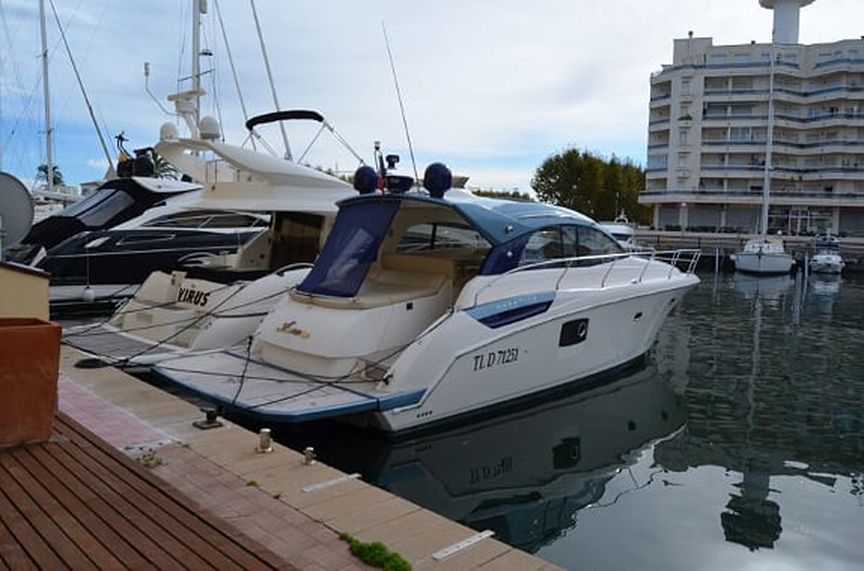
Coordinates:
(422, 307)
(220, 299)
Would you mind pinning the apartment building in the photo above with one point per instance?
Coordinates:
(726, 122)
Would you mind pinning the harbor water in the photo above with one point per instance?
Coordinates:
(738, 444)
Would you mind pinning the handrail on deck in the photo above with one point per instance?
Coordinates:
(671, 257)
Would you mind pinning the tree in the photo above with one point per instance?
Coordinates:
(42, 174)
(591, 184)
(506, 194)
(162, 168)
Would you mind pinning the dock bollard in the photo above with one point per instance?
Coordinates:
(308, 455)
(265, 442)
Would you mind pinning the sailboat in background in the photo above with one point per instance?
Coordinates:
(764, 255)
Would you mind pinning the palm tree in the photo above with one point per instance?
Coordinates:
(163, 169)
(56, 177)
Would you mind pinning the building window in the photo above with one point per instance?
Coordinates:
(682, 136)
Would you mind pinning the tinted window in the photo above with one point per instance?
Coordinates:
(549, 244)
(441, 236)
(233, 220)
(593, 242)
(99, 207)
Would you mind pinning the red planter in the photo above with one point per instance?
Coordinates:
(29, 364)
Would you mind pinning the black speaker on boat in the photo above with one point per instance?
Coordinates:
(437, 180)
(365, 180)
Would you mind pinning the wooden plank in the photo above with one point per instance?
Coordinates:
(49, 476)
(221, 536)
(42, 521)
(151, 540)
(27, 536)
(24, 468)
(11, 553)
(149, 554)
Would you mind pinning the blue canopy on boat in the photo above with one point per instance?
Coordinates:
(363, 221)
(497, 220)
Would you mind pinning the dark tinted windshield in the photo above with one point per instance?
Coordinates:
(98, 208)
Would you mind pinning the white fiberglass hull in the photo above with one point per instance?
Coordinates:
(172, 316)
(826, 264)
(466, 369)
(763, 263)
(458, 366)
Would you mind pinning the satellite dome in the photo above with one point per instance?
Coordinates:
(168, 132)
(209, 128)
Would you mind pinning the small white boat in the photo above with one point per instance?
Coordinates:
(422, 308)
(763, 256)
(622, 230)
(827, 258)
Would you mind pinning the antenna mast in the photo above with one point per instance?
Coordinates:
(49, 135)
(270, 78)
(401, 105)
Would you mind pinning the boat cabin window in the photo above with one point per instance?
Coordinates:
(100, 207)
(206, 219)
(567, 242)
(447, 236)
(296, 238)
(593, 242)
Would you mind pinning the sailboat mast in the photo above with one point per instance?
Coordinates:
(49, 135)
(769, 145)
(197, 9)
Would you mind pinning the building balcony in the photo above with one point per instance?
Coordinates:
(753, 197)
(712, 118)
(841, 62)
(652, 146)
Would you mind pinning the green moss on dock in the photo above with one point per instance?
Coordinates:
(375, 554)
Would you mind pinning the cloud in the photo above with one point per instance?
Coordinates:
(496, 86)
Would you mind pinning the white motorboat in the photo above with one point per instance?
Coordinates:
(219, 301)
(827, 258)
(763, 256)
(422, 308)
(622, 230)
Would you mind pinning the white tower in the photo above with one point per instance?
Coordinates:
(785, 18)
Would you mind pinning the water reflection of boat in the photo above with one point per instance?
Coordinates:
(526, 475)
(767, 288)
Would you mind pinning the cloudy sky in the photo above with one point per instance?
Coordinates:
(491, 87)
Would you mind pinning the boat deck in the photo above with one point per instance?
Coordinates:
(76, 502)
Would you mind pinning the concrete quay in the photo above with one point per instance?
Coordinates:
(294, 509)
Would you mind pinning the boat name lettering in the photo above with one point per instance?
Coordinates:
(495, 358)
(477, 474)
(193, 296)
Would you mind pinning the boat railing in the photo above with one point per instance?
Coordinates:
(681, 260)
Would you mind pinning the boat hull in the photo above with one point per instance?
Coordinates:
(456, 368)
(762, 263)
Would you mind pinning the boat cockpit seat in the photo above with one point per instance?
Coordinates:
(397, 278)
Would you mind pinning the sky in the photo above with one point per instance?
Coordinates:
(490, 87)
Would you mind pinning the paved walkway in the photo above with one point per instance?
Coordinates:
(294, 509)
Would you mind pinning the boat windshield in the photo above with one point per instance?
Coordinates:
(350, 249)
(551, 243)
(100, 207)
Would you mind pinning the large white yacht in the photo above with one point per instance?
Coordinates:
(423, 307)
(221, 299)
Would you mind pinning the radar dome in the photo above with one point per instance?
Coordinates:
(365, 180)
(168, 132)
(209, 128)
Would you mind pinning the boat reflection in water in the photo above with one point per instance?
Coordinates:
(527, 474)
(766, 412)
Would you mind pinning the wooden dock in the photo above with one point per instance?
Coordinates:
(276, 499)
(77, 503)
